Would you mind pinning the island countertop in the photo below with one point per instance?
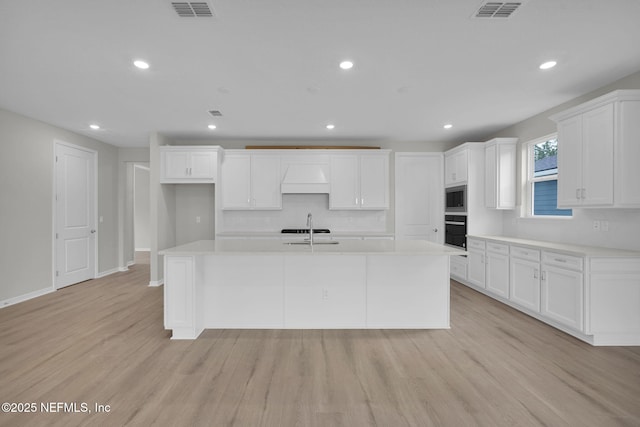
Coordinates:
(278, 246)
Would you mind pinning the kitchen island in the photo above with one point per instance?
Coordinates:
(274, 284)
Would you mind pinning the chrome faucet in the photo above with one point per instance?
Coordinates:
(310, 225)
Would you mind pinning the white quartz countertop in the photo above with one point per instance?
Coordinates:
(278, 234)
(277, 246)
(593, 251)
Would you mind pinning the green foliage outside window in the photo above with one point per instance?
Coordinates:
(546, 149)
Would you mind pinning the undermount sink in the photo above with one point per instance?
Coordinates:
(329, 242)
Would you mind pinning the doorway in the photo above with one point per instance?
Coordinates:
(419, 197)
(141, 213)
(75, 237)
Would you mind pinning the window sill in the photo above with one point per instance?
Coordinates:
(547, 217)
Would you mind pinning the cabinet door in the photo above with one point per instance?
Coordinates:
(345, 191)
(203, 164)
(176, 164)
(449, 169)
(562, 296)
(627, 155)
(455, 167)
(497, 271)
(476, 268)
(597, 156)
(374, 182)
(236, 181)
(490, 176)
(569, 162)
(525, 284)
(265, 182)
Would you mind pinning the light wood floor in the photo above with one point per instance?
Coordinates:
(103, 342)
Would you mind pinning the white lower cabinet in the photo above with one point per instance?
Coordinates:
(590, 293)
(525, 278)
(497, 269)
(458, 267)
(476, 260)
(562, 296)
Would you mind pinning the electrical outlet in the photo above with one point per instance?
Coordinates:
(596, 225)
(197, 220)
(325, 294)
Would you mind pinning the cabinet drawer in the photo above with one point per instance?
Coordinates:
(497, 248)
(525, 253)
(561, 260)
(475, 244)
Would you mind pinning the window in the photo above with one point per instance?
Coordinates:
(542, 182)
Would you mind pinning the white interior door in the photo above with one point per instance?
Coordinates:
(75, 215)
(419, 197)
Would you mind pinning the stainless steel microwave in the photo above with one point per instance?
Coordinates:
(456, 199)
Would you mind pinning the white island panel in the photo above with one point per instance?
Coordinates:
(407, 292)
(243, 291)
(325, 292)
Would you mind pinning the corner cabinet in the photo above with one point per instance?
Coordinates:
(250, 181)
(500, 173)
(188, 164)
(360, 181)
(598, 152)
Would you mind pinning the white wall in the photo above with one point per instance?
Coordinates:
(194, 201)
(624, 224)
(26, 212)
(141, 208)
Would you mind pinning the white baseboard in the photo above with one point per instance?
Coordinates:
(143, 249)
(156, 283)
(108, 272)
(25, 297)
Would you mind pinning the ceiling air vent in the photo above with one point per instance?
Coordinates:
(498, 10)
(215, 113)
(192, 9)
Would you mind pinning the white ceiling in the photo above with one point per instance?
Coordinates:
(271, 66)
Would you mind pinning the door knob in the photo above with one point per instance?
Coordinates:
(93, 231)
(435, 230)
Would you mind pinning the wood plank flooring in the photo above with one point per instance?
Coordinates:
(103, 342)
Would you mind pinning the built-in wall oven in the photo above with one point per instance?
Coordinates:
(455, 230)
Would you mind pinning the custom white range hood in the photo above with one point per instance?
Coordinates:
(305, 179)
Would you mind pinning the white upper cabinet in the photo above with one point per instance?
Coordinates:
(360, 181)
(188, 164)
(250, 181)
(500, 173)
(598, 152)
(455, 168)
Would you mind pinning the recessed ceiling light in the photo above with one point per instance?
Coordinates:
(212, 127)
(448, 126)
(330, 126)
(141, 64)
(346, 65)
(94, 127)
(547, 65)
